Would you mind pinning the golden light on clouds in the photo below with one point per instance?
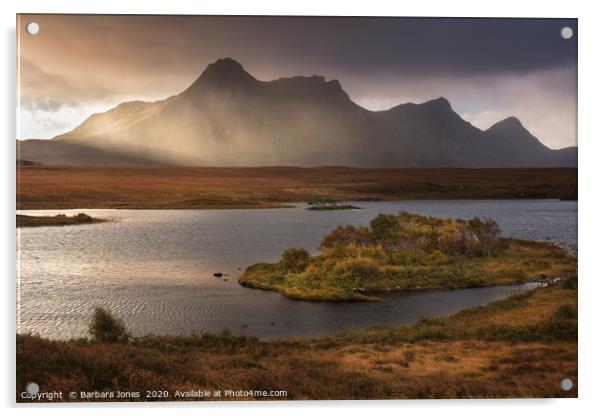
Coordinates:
(80, 64)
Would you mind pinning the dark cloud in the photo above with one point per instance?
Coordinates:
(343, 44)
(416, 45)
(91, 58)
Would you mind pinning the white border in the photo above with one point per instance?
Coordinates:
(589, 200)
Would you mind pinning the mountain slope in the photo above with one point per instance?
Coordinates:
(229, 118)
(437, 135)
(515, 145)
(58, 153)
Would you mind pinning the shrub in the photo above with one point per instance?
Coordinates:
(486, 232)
(558, 329)
(373, 252)
(400, 258)
(295, 259)
(417, 235)
(437, 256)
(566, 312)
(570, 283)
(362, 268)
(384, 229)
(106, 328)
(343, 236)
(313, 272)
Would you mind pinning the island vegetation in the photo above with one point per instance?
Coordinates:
(55, 220)
(521, 346)
(327, 204)
(409, 252)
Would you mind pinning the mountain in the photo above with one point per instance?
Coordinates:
(227, 117)
(512, 141)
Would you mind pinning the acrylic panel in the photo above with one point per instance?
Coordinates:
(287, 208)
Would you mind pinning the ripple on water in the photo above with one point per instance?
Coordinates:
(155, 268)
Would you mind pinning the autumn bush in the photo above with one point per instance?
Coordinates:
(359, 268)
(295, 259)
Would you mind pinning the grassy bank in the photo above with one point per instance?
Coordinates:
(409, 252)
(44, 187)
(56, 220)
(518, 347)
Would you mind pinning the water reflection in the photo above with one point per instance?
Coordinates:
(155, 268)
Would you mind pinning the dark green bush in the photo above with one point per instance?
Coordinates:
(106, 328)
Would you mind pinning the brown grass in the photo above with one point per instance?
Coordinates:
(477, 353)
(40, 187)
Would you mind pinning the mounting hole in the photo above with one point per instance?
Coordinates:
(32, 28)
(32, 388)
(566, 384)
(566, 32)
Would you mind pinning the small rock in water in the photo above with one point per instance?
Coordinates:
(225, 280)
(272, 323)
(218, 274)
(244, 326)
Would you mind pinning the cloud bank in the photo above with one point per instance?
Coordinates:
(487, 68)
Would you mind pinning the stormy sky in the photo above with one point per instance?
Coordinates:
(489, 69)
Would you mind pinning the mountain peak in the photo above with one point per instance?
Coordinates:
(226, 68)
(225, 72)
(437, 105)
(509, 124)
(515, 136)
(315, 86)
(224, 65)
(440, 103)
(510, 121)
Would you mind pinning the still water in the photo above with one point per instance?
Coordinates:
(154, 268)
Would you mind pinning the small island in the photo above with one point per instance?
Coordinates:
(56, 220)
(409, 252)
(325, 204)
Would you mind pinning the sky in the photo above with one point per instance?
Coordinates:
(489, 69)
